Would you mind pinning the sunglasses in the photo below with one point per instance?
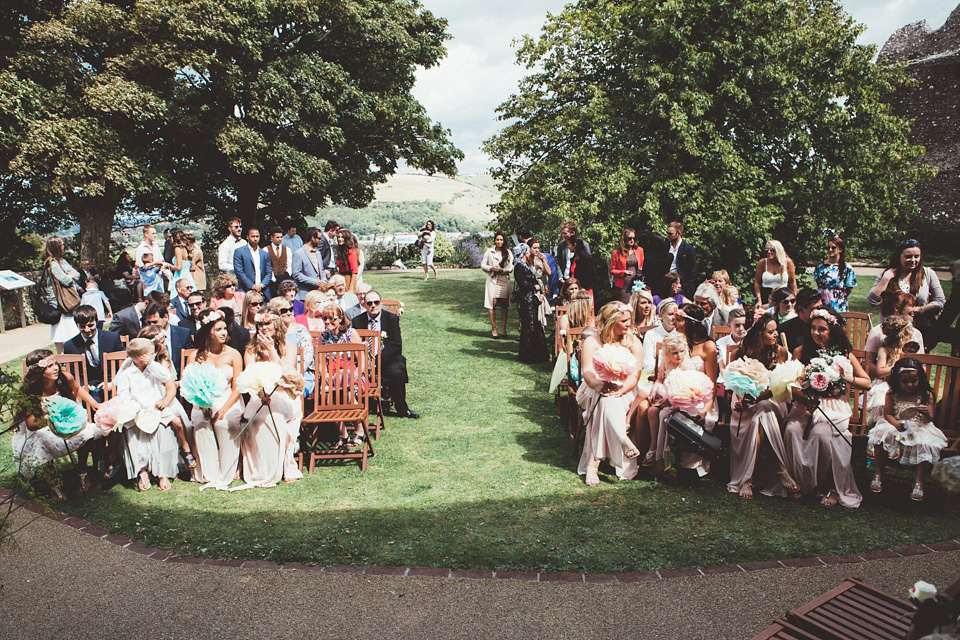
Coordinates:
(769, 250)
(631, 239)
(256, 304)
(194, 304)
(285, 310)
(791, 301)
(372, 303)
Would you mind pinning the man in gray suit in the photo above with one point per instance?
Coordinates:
(708, 299)
(307, 269)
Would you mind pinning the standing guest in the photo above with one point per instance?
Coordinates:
(757, 423)
(783, 305)
(127, 269)
(177, 338)
(820, 460)
(656, 261)
(707, 299)
(581, 265)
(683, 257)
(834, 277)
(253, 304)
(225, 293)
(92, 342)
(229, 245)
(394, 365)
(737, 321)
(168, 246)
(180, 264)
(644, 310)
(797, 330)
(215, 429)
(565, 250)
(195, 304)
(35, 445)
(523, 235)
(652, 339)
(179, 301)
(308, 263)
(529, 278)
(291, 240)
(252, 264)
(892, 303)
(344, 299)
(148, 245)
(281, 260)
(150, 274)
(98, 300)
(774, 271)
(60, 270)
(353, 311)
(605, 405)
(729, 296)
(906, 273)
(672, 289)
(145, 382)
(348, 260)
(497, 263)
(427, 237)
(626, 264)
(288, 291)
(328, 247)
(198, 270)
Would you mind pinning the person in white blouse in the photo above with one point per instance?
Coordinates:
(229, 245)
(653, 338)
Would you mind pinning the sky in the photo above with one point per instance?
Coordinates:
(480, 70)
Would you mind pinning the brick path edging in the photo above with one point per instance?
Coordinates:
(530, 576)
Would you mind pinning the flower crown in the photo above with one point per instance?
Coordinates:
(638, 286)
(46, 362)
(264, 318)
(823, 314)
(213, 317)
(684, 315)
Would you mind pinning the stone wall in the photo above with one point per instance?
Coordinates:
(933, 60)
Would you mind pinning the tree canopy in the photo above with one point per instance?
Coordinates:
(743, 119)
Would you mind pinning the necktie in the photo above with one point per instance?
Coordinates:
(374, 342)
(92, 355)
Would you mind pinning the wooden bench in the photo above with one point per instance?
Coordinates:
(944, 375)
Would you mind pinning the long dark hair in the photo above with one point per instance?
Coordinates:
(916, 278)
(505, 255)
(838, 337)
(927, 394)
(579, 248)
(753, 347)
(33, 383)
(349, 242)
(202, 337)
(693, 326)
(842, 248)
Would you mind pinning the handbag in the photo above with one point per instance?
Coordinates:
(67, 297)
(688, 435)
(44, 311)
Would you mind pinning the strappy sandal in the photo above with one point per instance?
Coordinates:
(357, 441)
(787, 482)
(188, 458)
(649, 459)
(917, 494)
(341, 443)
(830, 500)
(876, 485)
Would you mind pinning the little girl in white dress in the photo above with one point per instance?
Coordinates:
(907, 424)
(897, 332)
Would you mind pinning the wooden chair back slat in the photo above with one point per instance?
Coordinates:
(341, 376)
(76, 365)
(371, 339)
(719, 332)
(857, 398)
(857, 327)
(184, 354)
(111, 366)
(393, 306)
(944, 375)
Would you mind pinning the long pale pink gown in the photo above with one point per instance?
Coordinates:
(217, 454)
(606, 438)
(265, 445)
(765, 415)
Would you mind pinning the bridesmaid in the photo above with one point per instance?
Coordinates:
(821, 463)
(214, 429)
(755, 422)
(606, 405)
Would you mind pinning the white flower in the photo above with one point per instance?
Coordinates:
(843, 363)
(383, 335)
(922, 591)
(832, 373)
(818, 363)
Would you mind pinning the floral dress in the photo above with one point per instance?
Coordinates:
(832, 285)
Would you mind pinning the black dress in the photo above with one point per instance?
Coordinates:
(533, 344)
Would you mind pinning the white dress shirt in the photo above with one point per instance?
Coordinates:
(225, 253)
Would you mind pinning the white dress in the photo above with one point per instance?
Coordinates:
(265, 446)
(213, 446)
(687, 460)
(606, 420)
(426, 252)
(32, 449)
(921, 441)
(156, 452)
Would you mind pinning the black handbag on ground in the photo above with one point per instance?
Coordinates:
(688, 435)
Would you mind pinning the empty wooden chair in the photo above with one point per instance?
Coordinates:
(371, 338)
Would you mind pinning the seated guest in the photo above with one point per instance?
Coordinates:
(128, 322)
(314, 303)
(339, 331)
(394, 365)
(707, 299)
(287, 289)
(177, 338)
(892, 303)
(253, 303)
(151, 386)
(344, 299)
(183, 287)
(644, 311)
(797, 330)
(362, 290)
(737, 321)
(783, 303)
(195, 304)
(568, 289)
(92, 343)
(579, 313)
(239, 337)
(225, 293)
(297, 336)
(672, 289)
(652, 339)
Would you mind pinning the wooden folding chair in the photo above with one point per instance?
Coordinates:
(340, 396)
(858, 399)
(76, 366)
(857, 327)
(375, 386)
(124, 339)
(111, 366)
(184, 355)
(393, 306)
(559, 311)
(569, 410)
(720, 331)
(944, 375)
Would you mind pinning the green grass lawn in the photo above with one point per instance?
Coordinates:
(487, 479)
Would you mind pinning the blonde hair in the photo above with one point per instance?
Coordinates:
(729, 295)
(673, 341)
(607, 318)
(245, 309)
(279, 341)
(721, 273)
(139, 346)
(897, 331)
(781, 255)
(578, 311)
(635, 305)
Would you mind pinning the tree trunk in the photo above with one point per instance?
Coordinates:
(95, 215)
(248, 203)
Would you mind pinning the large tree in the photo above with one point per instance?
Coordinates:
(744, 119)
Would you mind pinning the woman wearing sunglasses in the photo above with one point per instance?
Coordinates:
(252, 305)
(774, 271)
(626, 264)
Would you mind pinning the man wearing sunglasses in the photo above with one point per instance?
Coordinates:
(393, 364)
(230, 244)
(195, 304)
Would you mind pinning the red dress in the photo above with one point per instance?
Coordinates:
(352, 264)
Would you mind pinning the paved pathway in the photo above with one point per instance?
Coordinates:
(19, 342)
(57, 582)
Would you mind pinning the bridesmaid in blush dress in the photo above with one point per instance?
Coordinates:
(214, 429)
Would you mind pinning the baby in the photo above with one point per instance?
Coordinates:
(150, 274)
(96, 299)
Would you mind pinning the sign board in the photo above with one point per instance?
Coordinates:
(10, 281)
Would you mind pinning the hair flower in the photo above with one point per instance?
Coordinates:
(638, 286)
(825, 315)
(264, 318)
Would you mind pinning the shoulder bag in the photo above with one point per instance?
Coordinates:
(68, 298)
(43, 310)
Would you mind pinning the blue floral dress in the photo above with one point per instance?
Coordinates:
(833, 286)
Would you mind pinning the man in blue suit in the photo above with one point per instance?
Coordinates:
(92, 343)
(251, 264)
(307, 269)
(178, 338)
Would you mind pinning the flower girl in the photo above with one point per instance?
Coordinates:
(907, 422)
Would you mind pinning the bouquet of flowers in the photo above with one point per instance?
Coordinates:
(257, 378)
(66, 417)
(784, 378)
(746, 377)
(202, 384)
(115, 413)
(614, 363)
(688, 390)
(826, 375)
(292, 383)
